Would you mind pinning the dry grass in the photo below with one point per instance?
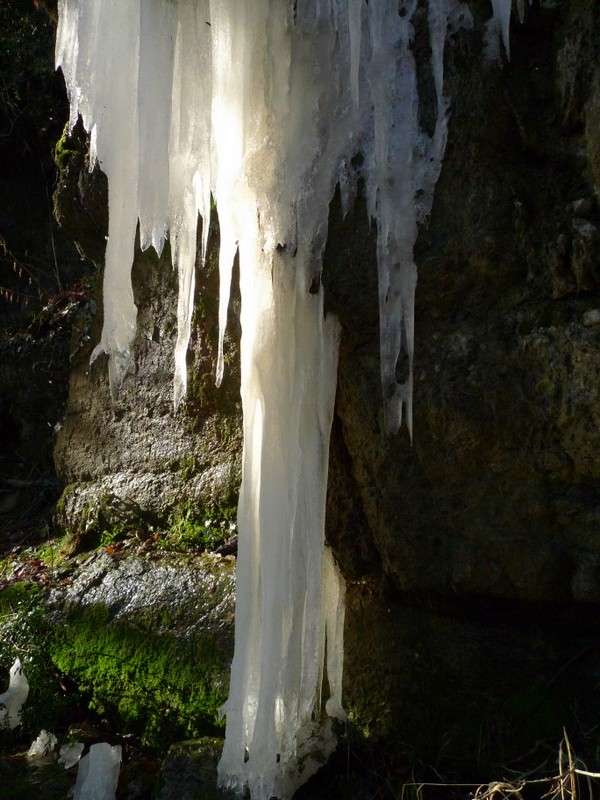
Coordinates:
(572, 781)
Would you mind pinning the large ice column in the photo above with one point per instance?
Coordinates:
(289, 356)
(293, 139)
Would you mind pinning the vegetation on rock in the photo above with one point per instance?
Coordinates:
(147, 673)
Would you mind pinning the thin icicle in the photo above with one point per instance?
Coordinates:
(502, 13)
(355, 31)
(229, 20)
(189, 157)
(497, 28)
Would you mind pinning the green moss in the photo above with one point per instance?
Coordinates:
(142, 676)
(66, 150)
(53, 551)
(188, 465)
(100, 521)
(21, 596)
(61, 503)
(203, 529)
(152, 684)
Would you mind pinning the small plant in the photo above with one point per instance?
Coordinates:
(111, 536)
(205, 531)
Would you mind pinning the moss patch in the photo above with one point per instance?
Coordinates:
(65, 150)
(151, 684)
(206, 529)
(139, 673)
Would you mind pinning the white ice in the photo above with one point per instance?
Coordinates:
(98, 773)
(13, 699)
(498, 28)
(264, 105)
(43, 744)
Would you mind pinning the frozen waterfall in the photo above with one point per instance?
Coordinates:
(262, 105)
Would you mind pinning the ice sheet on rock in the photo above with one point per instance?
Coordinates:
(13, 699)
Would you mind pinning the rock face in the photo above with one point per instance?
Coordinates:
(149, 638)
(472, 553)
(134, 461)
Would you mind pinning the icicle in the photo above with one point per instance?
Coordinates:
(189, 150)
(334, 591)
(497, 28)
(354, 26)
(502, 9)
(391, 194)
(158, 26)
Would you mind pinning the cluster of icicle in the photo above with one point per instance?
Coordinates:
(262, 105)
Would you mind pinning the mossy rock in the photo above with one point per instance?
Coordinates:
(155, 685)
(144, 643)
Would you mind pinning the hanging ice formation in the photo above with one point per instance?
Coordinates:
(497, 28)
(263, 104)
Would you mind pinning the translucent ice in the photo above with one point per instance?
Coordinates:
(98, 773)
(14, 697)
(70, 753)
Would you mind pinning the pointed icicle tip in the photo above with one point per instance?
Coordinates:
(118, 366)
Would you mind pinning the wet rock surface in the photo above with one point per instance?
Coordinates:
(189, 772)
(188, 595)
